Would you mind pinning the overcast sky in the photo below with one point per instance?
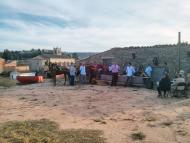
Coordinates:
(91, 25)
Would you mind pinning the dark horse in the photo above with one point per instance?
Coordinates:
(65, 71)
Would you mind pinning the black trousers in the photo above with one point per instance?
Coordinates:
(54, 78)
(114, 79)
(92, 75)
(129, 81)
(72, 80)
(160, 89)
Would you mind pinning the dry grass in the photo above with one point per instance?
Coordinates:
(167, 123)
(6, 82)
(45, 131)
(100, 121)
(138, 136)
(22, 98)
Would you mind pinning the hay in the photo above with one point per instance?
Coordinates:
(45, 131)
(6, 82)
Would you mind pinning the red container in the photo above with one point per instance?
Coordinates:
(30, 79)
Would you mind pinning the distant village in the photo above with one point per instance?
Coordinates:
(34, 60)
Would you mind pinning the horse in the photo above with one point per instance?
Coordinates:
(65, 71)
(58, 70)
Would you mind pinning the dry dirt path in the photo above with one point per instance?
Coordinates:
(118, 111)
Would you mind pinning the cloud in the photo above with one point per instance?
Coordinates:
(85, 25)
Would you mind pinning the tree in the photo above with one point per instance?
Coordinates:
(39, 52)
(7, 55)
(75, 56)
(1, 54)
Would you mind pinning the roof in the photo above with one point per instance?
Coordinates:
(115, 49)
(56, 56)
(48, 56)
(11, 63)
(38, 58)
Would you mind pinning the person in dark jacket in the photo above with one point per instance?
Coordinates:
(166, 68)
(53, 70)
(164, 85)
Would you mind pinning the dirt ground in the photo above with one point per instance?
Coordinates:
(118, 111)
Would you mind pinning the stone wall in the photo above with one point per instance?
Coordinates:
(62, 61)
(145, 55)
(2, 63)
(10, 66)
(36, 64)
(23, 68)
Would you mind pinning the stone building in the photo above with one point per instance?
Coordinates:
(37, 63)
(10, 66)
(57, 51)
(40, 63)
(22, 68)
(177, 56)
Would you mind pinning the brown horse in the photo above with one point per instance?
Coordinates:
(58, 70)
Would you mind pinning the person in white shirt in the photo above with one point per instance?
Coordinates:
(72, 72)
(176, 81)
(130, 72)
(110, 68)
(82, 74)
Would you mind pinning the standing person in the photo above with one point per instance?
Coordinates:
(140, 71)
(72, 73)
(148, 71)
(129, 71)
(77, 79)
(82, 74)
(53, 73)
(166, 68)
(92, 73)
(115, 71)
(110, 69)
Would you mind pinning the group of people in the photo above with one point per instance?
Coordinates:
(80, 73)
(164, 84)
(93, 71)
(56, 69)
(70, 73)
(130, 71)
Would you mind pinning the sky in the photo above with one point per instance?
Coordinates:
(91, 25)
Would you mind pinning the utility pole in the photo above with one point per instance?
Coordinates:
(179, 50)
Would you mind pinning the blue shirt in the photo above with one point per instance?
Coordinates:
(82, 70)
(148, 71)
